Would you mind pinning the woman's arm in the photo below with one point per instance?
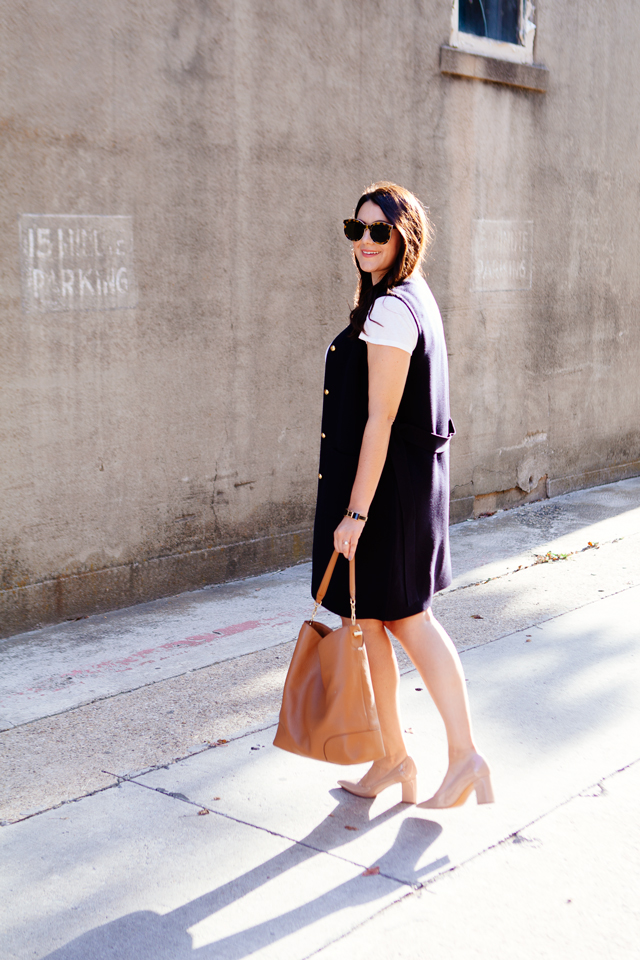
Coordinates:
(388, 369)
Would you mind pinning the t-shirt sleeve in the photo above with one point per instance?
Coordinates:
(390, 323)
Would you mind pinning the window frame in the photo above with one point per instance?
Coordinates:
(497, 49)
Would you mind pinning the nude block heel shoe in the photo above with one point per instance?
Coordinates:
(405, 773)
(474, 775)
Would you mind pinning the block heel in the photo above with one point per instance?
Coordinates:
(484, 790)
(410, 791)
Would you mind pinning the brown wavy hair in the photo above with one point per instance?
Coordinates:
(404, 211)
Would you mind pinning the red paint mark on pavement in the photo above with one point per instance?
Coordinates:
(59, 682)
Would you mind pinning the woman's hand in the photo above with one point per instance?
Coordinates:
(346, 536)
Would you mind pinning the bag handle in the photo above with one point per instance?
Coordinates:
(324, 585)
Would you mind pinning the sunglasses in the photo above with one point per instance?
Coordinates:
(380, 232)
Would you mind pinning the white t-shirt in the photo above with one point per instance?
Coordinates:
(390, 323)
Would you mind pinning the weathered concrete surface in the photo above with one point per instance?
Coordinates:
(170, 441)
(513, 538)
(565, 886)
(277, 866)
(54, 669)
(551, 713)
(206, 870)
(213, 698)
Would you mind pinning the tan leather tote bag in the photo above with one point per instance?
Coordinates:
(328, 708)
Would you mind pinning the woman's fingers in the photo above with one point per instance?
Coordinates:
(341, 543)
(347, 548)
(346, 536)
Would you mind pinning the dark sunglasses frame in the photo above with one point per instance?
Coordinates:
(379, 231)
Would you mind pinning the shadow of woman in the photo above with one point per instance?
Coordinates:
(165, 937)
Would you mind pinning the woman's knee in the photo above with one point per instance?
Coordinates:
(404, 629)
(374, 631)
(376, 639)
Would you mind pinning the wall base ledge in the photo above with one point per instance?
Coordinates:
(593, 478)
(468, 508)
(84, 594)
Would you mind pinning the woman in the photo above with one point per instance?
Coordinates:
(383, 487)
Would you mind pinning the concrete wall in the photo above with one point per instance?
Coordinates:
(163, 434)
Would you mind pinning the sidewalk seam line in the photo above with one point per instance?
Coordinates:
(121, 777)
(531, 823)
(494, 846)
(347, 933)
(537, 563)
(256, 826)
(556, 616)
(542, 816)
(269, 726)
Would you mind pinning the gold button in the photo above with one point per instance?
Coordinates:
(326, 392)
(323, 435)
(319, 476)
(332, 348)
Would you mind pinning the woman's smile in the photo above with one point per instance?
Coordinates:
(375, 258)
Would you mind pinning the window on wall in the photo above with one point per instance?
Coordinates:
(495, 28)
(497, 19)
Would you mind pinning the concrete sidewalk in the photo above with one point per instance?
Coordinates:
(55, 669)
(286, 865)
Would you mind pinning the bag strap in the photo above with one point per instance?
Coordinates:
(324, 585)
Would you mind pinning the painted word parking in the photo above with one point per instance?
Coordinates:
(502, 255)
(76, 263)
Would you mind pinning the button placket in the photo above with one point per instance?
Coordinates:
(332, 349)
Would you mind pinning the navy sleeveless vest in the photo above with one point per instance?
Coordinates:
(403, 554)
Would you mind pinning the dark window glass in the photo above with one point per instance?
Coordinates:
(498, 19)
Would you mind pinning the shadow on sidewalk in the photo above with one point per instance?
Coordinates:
(165, 937)
(556, 712)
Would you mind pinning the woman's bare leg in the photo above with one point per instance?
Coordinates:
(433, 654)
(385, 678)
